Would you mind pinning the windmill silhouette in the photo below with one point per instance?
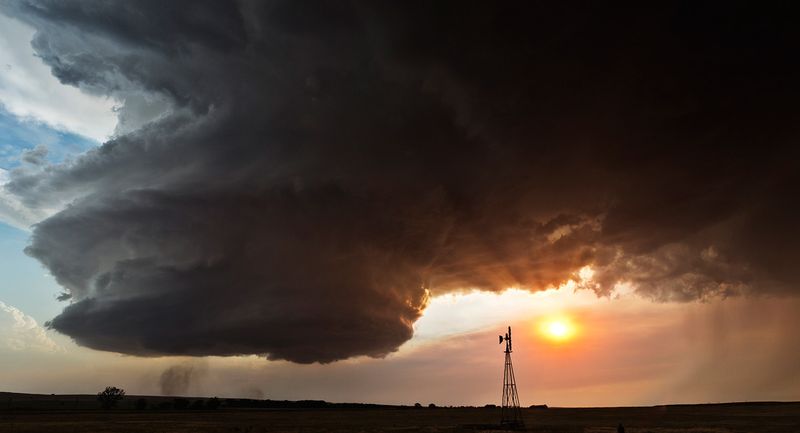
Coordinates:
(511, 415)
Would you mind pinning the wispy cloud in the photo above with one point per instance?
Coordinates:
(29, 90)
(20, 332)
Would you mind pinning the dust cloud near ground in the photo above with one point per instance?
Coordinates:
(177, 380)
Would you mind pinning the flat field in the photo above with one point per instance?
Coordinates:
(755, 417)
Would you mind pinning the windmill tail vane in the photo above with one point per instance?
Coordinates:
(511, 415)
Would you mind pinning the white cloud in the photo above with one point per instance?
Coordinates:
(29, 90)
(20, 332)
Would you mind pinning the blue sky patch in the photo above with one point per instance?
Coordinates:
(18, 135)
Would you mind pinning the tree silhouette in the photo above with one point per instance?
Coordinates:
(109, 397)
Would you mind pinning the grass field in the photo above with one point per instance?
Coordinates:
(755, 417)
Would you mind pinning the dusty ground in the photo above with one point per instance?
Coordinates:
(773, 418)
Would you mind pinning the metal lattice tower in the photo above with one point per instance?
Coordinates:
(511, 415)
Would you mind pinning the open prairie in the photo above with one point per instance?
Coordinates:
(716, 418)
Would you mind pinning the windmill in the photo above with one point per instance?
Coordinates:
(511, 415)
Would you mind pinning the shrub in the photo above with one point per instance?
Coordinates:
(109, 397)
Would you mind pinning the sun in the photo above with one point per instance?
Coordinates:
(557, 329)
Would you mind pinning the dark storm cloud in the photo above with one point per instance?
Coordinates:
(311, 169)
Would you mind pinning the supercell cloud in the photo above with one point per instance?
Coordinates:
(293, 179)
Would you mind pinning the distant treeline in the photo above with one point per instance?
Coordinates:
(14, 401)
(299, 404)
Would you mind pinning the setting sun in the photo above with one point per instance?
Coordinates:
(557, 329)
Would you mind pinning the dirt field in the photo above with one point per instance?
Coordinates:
(777, 418)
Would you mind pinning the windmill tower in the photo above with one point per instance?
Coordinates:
(511, 415)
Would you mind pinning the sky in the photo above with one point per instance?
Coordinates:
(350, 201)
